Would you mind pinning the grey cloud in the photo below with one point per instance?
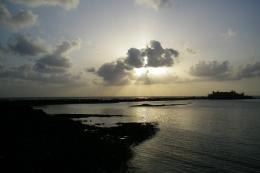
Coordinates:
(215, 70)
(46, 61)
(54, 61)
(3, 52)
(91, 70)
(20, 20)
(119, 72)
(134, 58)
(66, 47)
(26, 46)
(250, 70)
(156, 4)
(58, 60)
(115, 73)
(157, 56)
(66, 4)
(26, 72)
(212, 70)
(51, 67)
(51, 64)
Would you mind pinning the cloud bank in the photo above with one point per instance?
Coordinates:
(26, 72)
(66, 4)
(21, 19)
(249, 70)
(48, 66)
(58, 60)
(25, 45)
(214, 70)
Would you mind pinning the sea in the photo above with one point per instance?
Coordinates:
(198, 136)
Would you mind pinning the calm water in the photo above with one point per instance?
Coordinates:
(202, 136)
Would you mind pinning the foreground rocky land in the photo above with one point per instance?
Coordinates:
(35, 142)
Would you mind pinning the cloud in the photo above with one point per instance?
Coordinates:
(115, 73)
(155, 4)
(215, 70)
(50, 67)
(66, 47)
(26, 72)
(91, 70)
(26, 46)
(212, 70)
(3, 51)
(52, 64)
(58, 60)
(66, 4)
(15, 22)
(249, 70)
(157, 56)
(120, 71)
(134, 58)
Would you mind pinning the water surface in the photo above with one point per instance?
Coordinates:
(202, 136)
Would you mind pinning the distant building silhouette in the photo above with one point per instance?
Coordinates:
(228, 95)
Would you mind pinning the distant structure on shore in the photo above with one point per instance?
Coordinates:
(228, 95)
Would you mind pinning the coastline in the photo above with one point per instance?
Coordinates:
(32, 140)
(102, 100)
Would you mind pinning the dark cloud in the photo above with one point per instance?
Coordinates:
(67, 4)
(91, 70)
(3, 52)
(223, 71)
(46, 61)
(27, 72)
(66, 47)
(51, 67)
(58, 60)
(134, 58)
(26, 46)
(250, 70)
(51, 64)
(157, 56)
(212, 70)
(20, 20)
(119, 72)
(115, 73)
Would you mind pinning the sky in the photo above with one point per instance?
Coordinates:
(83, 48)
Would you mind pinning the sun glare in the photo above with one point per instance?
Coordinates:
(151, 71)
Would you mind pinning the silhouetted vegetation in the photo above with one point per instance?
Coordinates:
(33, 142)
